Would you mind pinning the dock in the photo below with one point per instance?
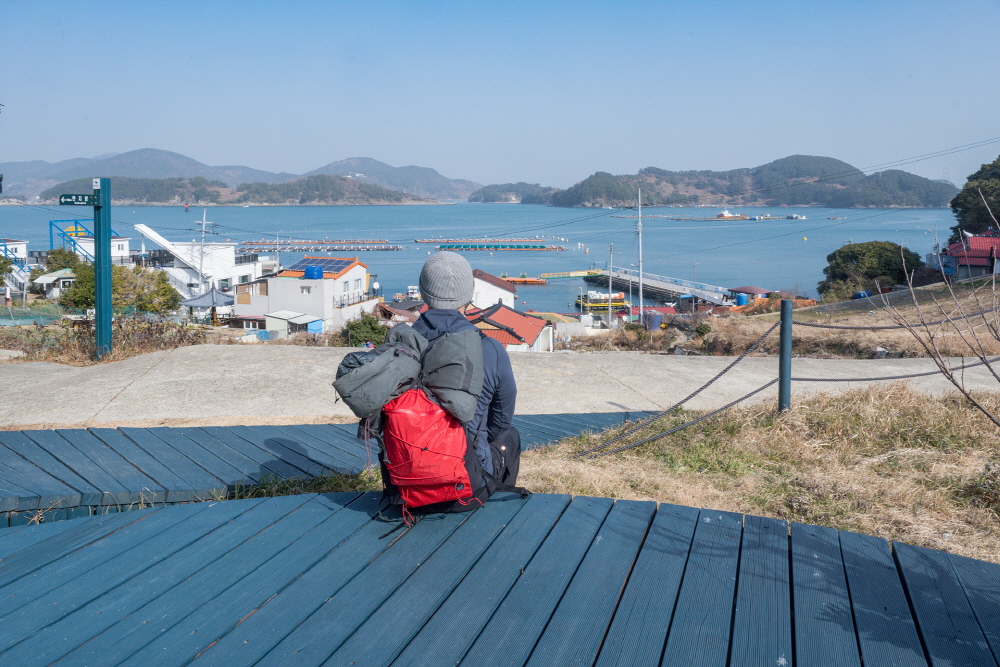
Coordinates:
(658, 287)
(483, 240)
(317, 247)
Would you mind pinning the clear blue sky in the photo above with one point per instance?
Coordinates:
(502, 91)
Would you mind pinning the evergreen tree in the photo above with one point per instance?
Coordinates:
(971, 213)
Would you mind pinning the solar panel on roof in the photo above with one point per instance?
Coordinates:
(329, 264)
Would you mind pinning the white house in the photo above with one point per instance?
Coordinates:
(489, 290)
(331, 289)
(194, 268)
(120, 253)
(16, 251)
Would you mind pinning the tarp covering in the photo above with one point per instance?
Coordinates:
(210, 299)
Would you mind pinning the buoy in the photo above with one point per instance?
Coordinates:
(804, 238)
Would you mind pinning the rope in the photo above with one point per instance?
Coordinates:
(682, 426)
(896, 377)
(894, 326)
(648, 420)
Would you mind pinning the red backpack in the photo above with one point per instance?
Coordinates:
(426, 454)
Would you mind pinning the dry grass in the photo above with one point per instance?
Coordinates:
(883, 461)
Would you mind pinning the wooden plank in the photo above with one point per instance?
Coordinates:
(185, 619)
(882, 619)
(283, 468)
(639, 630)
(947, 623)
(276, 441)
(762, 625)
(234, 471)
(112, 491)
(574, 634)
(143, 487)
(28, 450)
(824, 626)
(387, 631)
(449, 633)
(342, 445)
(283, 449)
(14, 497)
(48, 596)
(45, 644)
(15, 539)
(205, 484)
(981, 582)
(511, 633)
(27, 561)
(48, 491)
(178, 489)
(699, 634)
(343, 612)
(265, 465)
(348, 462)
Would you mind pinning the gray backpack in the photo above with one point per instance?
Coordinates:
(450, 369)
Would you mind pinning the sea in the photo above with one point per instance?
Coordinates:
(781, 254)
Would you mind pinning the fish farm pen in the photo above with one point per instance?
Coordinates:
(484, 240)
(498, 246)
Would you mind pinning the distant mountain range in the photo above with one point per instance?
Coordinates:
(30, 179)
(797, 180)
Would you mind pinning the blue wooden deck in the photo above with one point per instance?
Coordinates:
(547, 581)
(70, 473)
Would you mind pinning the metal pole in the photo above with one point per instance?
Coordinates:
(611, 258)
(785, 358)
(102, 266)
(639, 228)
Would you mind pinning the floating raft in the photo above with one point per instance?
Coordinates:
(479, 240)
(317, 242)
(549, 580)
(499, 246)
(69, 473)
(524, 280)
(322, 247)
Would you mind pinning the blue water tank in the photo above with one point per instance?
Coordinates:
(652, 320)
(313, 273)
(742, 300)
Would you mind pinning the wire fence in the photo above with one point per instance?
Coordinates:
(786, 324)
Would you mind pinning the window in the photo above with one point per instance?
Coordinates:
(347, 285)
(66, 283)
(250, 324)
(224, 283)
(121, 246)
(357, 283)
(244, 279)
(306, 290)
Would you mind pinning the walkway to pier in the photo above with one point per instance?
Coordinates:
(662, 287)
(547, 581)
(69, 473)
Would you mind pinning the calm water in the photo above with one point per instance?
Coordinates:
(775, 254)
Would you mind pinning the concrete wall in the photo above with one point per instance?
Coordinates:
(342, 315)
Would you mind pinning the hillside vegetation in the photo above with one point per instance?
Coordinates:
(798, 180)
(314, 190)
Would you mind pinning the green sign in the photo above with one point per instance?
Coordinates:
(78, 200)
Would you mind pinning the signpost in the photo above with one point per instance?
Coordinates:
(78, 200)
(101, 201)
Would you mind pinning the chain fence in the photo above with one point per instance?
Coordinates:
(602, 448)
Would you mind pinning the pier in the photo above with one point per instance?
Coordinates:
(482, 240)
(314, 246)
(499, 246)
(658, 287)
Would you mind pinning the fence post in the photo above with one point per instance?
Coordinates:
(785, 358)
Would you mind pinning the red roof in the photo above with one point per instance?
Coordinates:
(493, 280)
(507, 325)
(983, 242)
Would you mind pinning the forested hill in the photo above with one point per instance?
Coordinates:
(798, 180)
(320, 190)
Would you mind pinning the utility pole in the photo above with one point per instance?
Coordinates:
(102, 266)
(611, 258)
(639, 229)
(201, 262)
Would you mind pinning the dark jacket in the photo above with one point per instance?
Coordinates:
(495, 409)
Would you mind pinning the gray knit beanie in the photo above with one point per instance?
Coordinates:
(446, 281)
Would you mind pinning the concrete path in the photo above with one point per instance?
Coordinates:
(225, 385)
